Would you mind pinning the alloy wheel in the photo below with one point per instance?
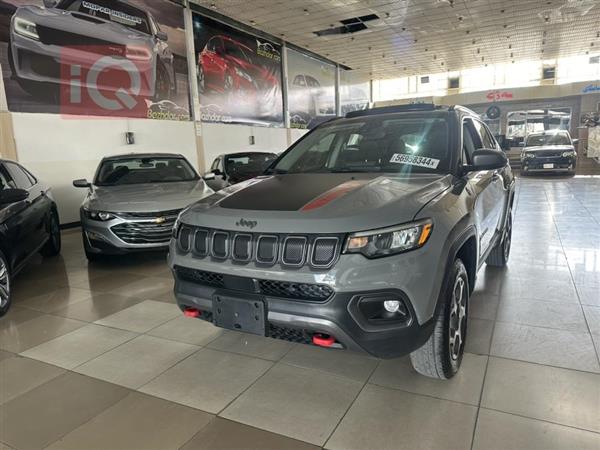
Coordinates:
(4, 284)
(458, 318)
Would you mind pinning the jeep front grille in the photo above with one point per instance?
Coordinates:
(269, 288)
(319, 252)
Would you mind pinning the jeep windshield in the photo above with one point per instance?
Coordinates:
(115, 172)
(111, 10)
(537, 140)
(391, 144)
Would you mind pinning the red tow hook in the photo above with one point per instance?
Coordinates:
(323, 340)
(192, 312)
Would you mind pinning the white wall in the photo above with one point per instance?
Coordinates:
(222, 138)
(60, 149)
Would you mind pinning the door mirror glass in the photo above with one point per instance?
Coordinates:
(575, 141)
(8, 196)
(487, 159)
(162, 36)
(209, 176)
(82, 183)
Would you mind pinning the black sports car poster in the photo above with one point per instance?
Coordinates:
(311, 89)
(239, 75)
(123, 58)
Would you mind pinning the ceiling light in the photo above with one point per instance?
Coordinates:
(306, 13)
(213, 6)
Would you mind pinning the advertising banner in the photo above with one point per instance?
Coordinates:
(239, 75)
(311, 89)
(122, 58)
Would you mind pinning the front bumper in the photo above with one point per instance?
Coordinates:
(103, 237)
(32, 60)
(548, 164)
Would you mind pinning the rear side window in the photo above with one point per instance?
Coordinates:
(20, 177)
(487, 141)
(6, 181)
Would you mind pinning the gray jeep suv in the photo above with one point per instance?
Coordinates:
(366, 234)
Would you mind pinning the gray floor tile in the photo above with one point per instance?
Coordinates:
(35, 331)
(566, 397)
(251, 345)
(343, 363)
(17, 316)
(479, 336)
(189, 330)
(148, 288)
(136, 422)
(543, 289)
(589, 295)
(44, 414)
(136, 362)
(141, 317)
(304, 404)
(465, 387)
(110, 280)
(501, 431)
(559, 348)
(79, 346)
(387, 419)
(99, 306)
(483, 306)
(19, 375)
(221, 434)
(208, 380)
(562, 316)
(592, 315)
(56, 299)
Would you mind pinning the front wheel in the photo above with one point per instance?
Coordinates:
(440, 357)
(5, 297)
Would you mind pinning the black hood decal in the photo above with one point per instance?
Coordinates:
(288, 192)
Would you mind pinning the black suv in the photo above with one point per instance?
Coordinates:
(28, 224)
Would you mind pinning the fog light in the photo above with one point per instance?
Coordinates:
(391, 306)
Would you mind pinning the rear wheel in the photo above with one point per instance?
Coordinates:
(498, 257)
(5, 297)
(162, 87)
(52, 247)
(440, 357)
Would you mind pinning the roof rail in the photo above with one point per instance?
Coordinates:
(393, 109)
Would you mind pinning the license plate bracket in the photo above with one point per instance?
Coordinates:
(248, 315)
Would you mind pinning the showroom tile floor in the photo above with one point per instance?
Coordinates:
(100, 357)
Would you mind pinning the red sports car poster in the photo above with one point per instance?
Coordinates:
(239, 75)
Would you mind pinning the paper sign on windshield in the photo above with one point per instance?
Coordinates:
(415, 160)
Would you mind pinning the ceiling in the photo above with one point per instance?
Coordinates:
(426, 36)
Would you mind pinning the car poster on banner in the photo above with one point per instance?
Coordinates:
(122, 58)
(311, 89)
(354, 92)
(239, 75)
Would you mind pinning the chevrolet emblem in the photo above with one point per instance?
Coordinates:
(160, 220)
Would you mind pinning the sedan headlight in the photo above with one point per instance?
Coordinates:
(528, 155)
(26, 28)
(101, 216)
(390, 241)
(568, 154)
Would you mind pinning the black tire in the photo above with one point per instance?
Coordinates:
(162, 84)
(440, 357)
(498, 257)
(52, 247)
(5, 280)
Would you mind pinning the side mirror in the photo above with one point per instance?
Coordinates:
(487, 159)
(574, 141)
(208, 176)
(522, 144)
(8, 196)
(162, 36)
(82, 183)
(50, 3)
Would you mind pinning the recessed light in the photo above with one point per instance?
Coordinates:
(468, 31)
(213, 6)
(306, 13)
(460, 18)
(253, 22)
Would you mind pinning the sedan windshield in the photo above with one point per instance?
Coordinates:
(144, 170)
(372, 144)
(535, 140)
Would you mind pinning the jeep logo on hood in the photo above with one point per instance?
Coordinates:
(246, 223)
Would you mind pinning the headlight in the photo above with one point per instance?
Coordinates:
(243, 74)
(568, 154)
(26, 28)
(528, 155)
(102, 216)
(390, 241)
